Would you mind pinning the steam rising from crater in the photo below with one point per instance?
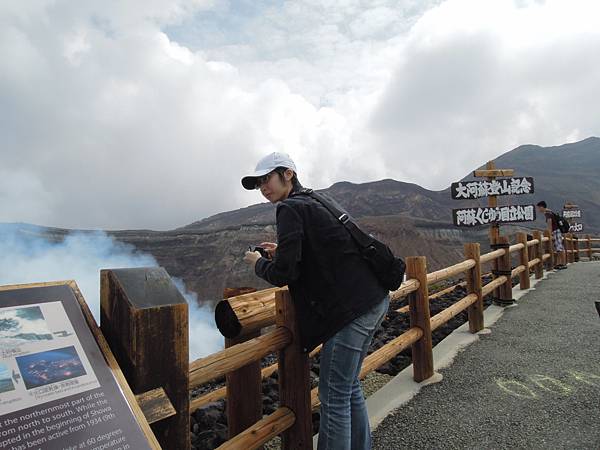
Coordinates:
(27, 255)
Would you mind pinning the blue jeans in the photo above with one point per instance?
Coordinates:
(344, 423)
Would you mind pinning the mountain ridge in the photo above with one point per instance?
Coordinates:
(413, 220)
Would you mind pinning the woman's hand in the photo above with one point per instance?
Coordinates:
(251, 258)
(269, 247)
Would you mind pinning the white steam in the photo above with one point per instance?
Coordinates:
(27, 256)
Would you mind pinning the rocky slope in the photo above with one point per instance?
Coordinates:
(412, 220)
(207, 254)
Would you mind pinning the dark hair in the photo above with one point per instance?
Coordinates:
(295, 182)
(542, 204)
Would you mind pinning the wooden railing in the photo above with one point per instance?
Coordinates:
(144, 319)
(248, 314)
(576, 246)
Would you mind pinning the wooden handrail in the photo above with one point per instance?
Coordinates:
(532, 242)
(406, 308)
(396, 343)
(379, 357)
(444, 316)
(220, 393)
(207, 398)
(220, 363)
(405, 288)
(449, 272)
(246, 313)
(517, 270)
(487, 257)
(386, 352)
(262, 431)
(488, 288)
(266, 372)
(533, 262)
(515, 247)
(250, 312)
(444, 291)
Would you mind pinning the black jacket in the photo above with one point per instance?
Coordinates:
(316, 257)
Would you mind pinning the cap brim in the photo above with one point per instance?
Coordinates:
(249, 182)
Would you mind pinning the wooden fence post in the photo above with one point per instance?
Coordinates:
(422, 355)
(473, 276)
(145, 321)
(532, 252)
(244, 385)
(504, 296)
(550, 250)
(569, 248)
(524, 282)
(576, 248)
(294, 378)
(539, 253)
(589, 247)
(495, 268)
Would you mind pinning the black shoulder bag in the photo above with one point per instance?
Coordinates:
(388, 269)
(561, 223)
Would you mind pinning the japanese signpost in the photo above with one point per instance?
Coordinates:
(491, 188)
(60, 387)
(493, 215)
(478, 189)
(573, 215)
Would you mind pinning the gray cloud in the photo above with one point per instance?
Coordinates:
(145, 114)
(495, 77)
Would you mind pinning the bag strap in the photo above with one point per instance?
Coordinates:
(362, 238)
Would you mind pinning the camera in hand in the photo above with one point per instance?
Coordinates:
(262, 252)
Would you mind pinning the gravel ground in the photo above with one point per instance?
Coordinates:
(533, 383)
(373, 382)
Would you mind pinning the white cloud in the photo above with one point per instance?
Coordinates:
(146, 114)
(478, 78)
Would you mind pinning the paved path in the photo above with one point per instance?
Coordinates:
(533, 383)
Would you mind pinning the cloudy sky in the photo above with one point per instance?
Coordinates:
(146, 113)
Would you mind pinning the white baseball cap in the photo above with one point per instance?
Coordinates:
(266, 165)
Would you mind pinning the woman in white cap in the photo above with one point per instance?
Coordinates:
(339, 301)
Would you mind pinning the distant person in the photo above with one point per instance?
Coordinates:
(557, 237)
(339, 301)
